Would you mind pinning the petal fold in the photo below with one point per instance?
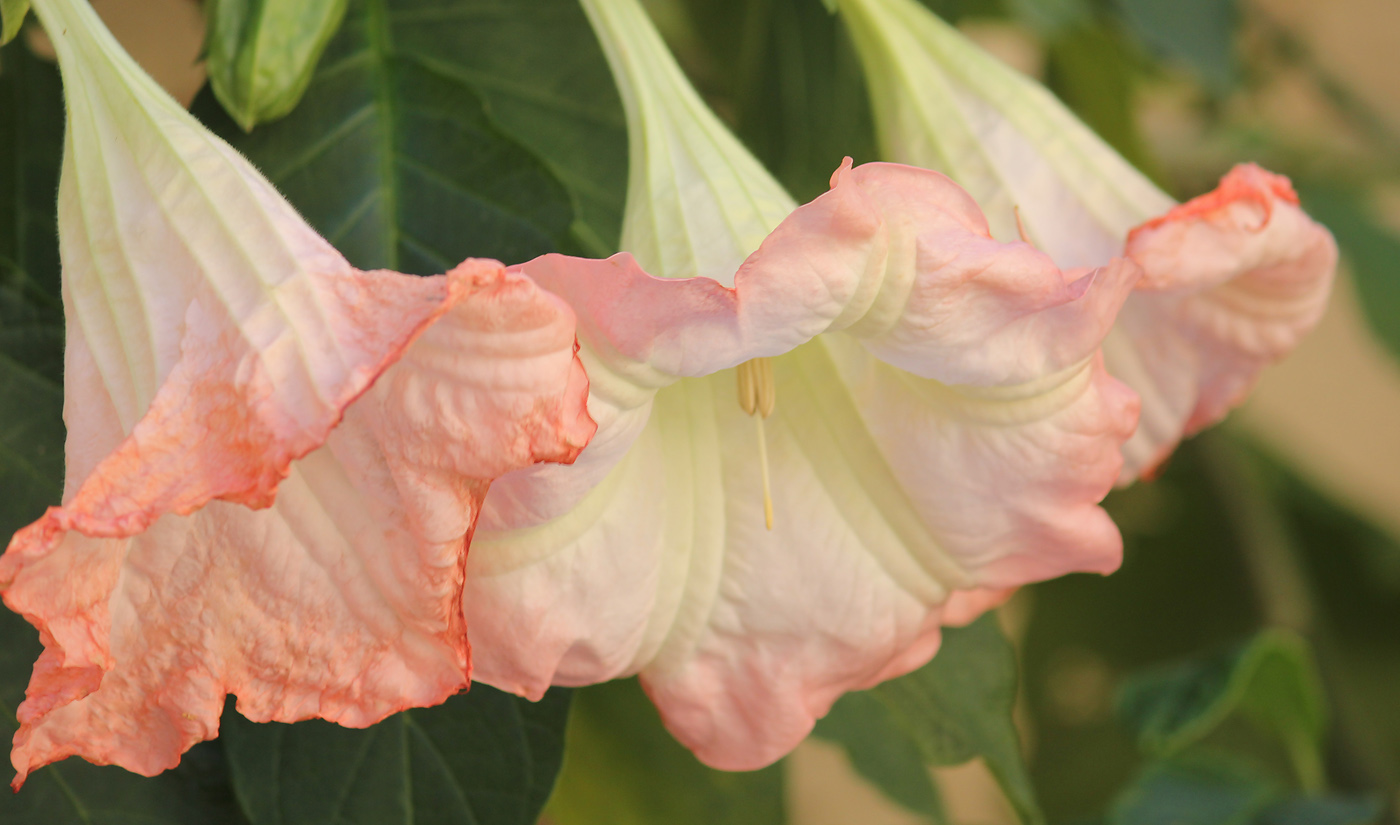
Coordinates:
(274, 460)
(1232, 281)
(943, 103)
(943, 424)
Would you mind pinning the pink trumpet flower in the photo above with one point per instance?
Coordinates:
(823, 432)
(274, 460)
(1233, 280)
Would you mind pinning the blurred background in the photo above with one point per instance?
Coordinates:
(1287, 516)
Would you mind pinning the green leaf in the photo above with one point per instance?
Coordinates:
(435, 130)
(882, 752)
(1199, 33)
(1212, 789)
(31, 320)
(12, 14)
(955, 10)
(1093, 71)
(1198, 791)
(481, 758)
(786, 77)
(1323, 810)
(74, 792)
(1371, 249)
(261, 53)
(31, 445)
(959, 706)
(1051, 17)
(1272, 682)
(621, 767)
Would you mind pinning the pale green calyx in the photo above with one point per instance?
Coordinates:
(943, 103)
(698, 202)
(262, 54)
(12, 14)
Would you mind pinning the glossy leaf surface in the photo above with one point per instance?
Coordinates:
(31, 320)
(482, 758)
(420, 142)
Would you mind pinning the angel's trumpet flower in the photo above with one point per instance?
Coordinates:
(823, 432)
(274, 460)
(1232, 280)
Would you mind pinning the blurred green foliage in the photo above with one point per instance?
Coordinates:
(956, 708)
(621, 767)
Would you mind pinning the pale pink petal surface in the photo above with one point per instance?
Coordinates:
(943, 103)
(221, 356)
(974, 463)
(1232, 281)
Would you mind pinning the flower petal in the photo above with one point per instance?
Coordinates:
(343, 599)
(697, 202)
(1233, 280)
(974, 464)
(215, 342)
(943, 103)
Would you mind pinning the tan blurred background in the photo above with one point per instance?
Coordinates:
(1333, 407)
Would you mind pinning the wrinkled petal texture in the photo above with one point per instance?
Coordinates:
(1232, 282)
(943, 424)
(221, 357)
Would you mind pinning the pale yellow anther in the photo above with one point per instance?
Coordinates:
(757, 393)
(757, 396)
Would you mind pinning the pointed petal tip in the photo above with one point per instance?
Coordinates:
(1233, 280)
(841, 171)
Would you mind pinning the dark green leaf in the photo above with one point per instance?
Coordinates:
(959, 706)
(1051, 17)
(482, 758)
(12, 14)
(1322, 810)
(76, 793)
(955, 10)
(435, 130)
(31, 445)
(1093, 71)
(621, 767)
(1272, 682)
(789, 82)
(31, 151)
(1198, 791)
(31, 321)
(882, 752)
(261, 53)
(1199, 33)
(1372, 250)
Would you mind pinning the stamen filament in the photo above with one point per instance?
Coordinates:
(757, 396)
(763, 468)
